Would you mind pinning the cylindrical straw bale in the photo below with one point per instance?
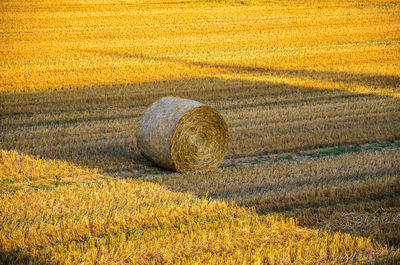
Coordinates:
(183, 135)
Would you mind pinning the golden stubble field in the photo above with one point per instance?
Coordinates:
(310, 91)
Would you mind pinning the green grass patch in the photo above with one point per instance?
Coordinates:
(336, 151)
(286, 157)
(49, 185)
(225, 165)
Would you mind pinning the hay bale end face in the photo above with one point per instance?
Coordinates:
(183, 135)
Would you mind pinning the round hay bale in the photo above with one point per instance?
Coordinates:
(183, 135)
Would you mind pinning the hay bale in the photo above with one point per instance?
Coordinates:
(183, 135)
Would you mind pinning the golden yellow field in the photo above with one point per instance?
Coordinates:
(310, 91)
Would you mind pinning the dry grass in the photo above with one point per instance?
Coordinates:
(331, 45)
(140, 222)
(288, 77)
(22, 171)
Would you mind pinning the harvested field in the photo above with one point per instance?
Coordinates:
(311, 95)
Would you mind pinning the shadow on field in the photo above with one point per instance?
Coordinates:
(95, 126)
(374, 216)
(390, 82)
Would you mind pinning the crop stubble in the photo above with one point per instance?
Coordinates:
(76, 78)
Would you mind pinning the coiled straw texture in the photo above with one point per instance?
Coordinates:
(183, 135)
